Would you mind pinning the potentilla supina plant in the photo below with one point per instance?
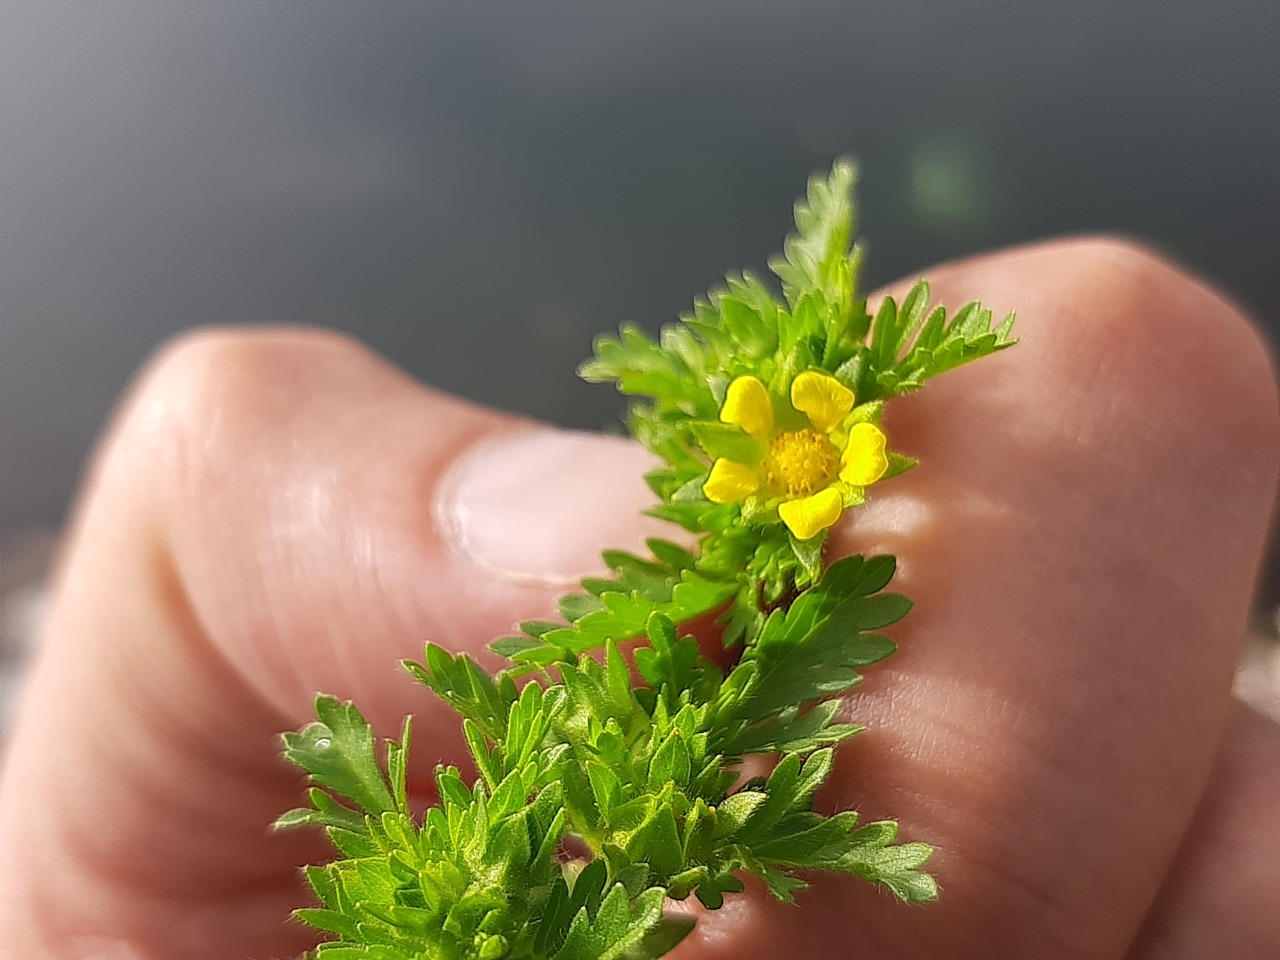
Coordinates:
(765, 413)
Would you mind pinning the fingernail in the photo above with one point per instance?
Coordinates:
(539, 505)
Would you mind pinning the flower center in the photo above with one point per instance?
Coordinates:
(800, 462)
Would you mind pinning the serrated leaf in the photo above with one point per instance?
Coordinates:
(813, 651)
(617, 927)
(732, 815)
(824, 231)
(466, 686)
(337, 752)
(670, 763)
(907, 349)
(664, 937)
(622, 616)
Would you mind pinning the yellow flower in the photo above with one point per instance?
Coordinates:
(811, 459)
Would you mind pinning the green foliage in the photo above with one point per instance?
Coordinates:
(607, 781)
(644, 776)
(910, 343)
(820, 324)
(618, 607)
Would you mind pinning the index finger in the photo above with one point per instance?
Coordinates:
(1080, 541)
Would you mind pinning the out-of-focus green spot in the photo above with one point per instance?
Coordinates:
(952, 188)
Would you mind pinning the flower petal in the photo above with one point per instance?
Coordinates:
(823, 398)
(729, 482)
(809, 516)
(746, 403)
(863, 461)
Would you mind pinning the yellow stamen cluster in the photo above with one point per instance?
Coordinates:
(808, 473)
(800, 462)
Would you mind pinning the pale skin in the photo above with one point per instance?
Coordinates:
(278, 512)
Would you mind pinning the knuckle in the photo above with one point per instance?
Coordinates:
(216, 358)
(212, 401)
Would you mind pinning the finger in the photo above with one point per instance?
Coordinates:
(275, 513)
(1220, 898)
(1080, 540)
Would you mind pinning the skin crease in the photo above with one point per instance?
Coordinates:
(279, 512)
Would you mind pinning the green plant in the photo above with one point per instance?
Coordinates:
(766, 413)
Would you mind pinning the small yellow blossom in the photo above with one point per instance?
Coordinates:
(813, 460)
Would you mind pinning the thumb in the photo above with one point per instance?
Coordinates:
(275, 513)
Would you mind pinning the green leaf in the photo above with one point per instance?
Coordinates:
(673, 666)
(873, 855)
(670, 762)
(732, 815)
(811, 652)
(511, 647)
(467, 687)
(661, 939)
(793, 731)
(623, 614)
(640, 366)
(907, 348)
(813, 256)
(338, 754)
(711, 892)
(617, 929)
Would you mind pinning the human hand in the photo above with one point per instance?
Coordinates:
(278, 512)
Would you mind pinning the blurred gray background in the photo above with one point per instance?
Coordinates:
(476, 188)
